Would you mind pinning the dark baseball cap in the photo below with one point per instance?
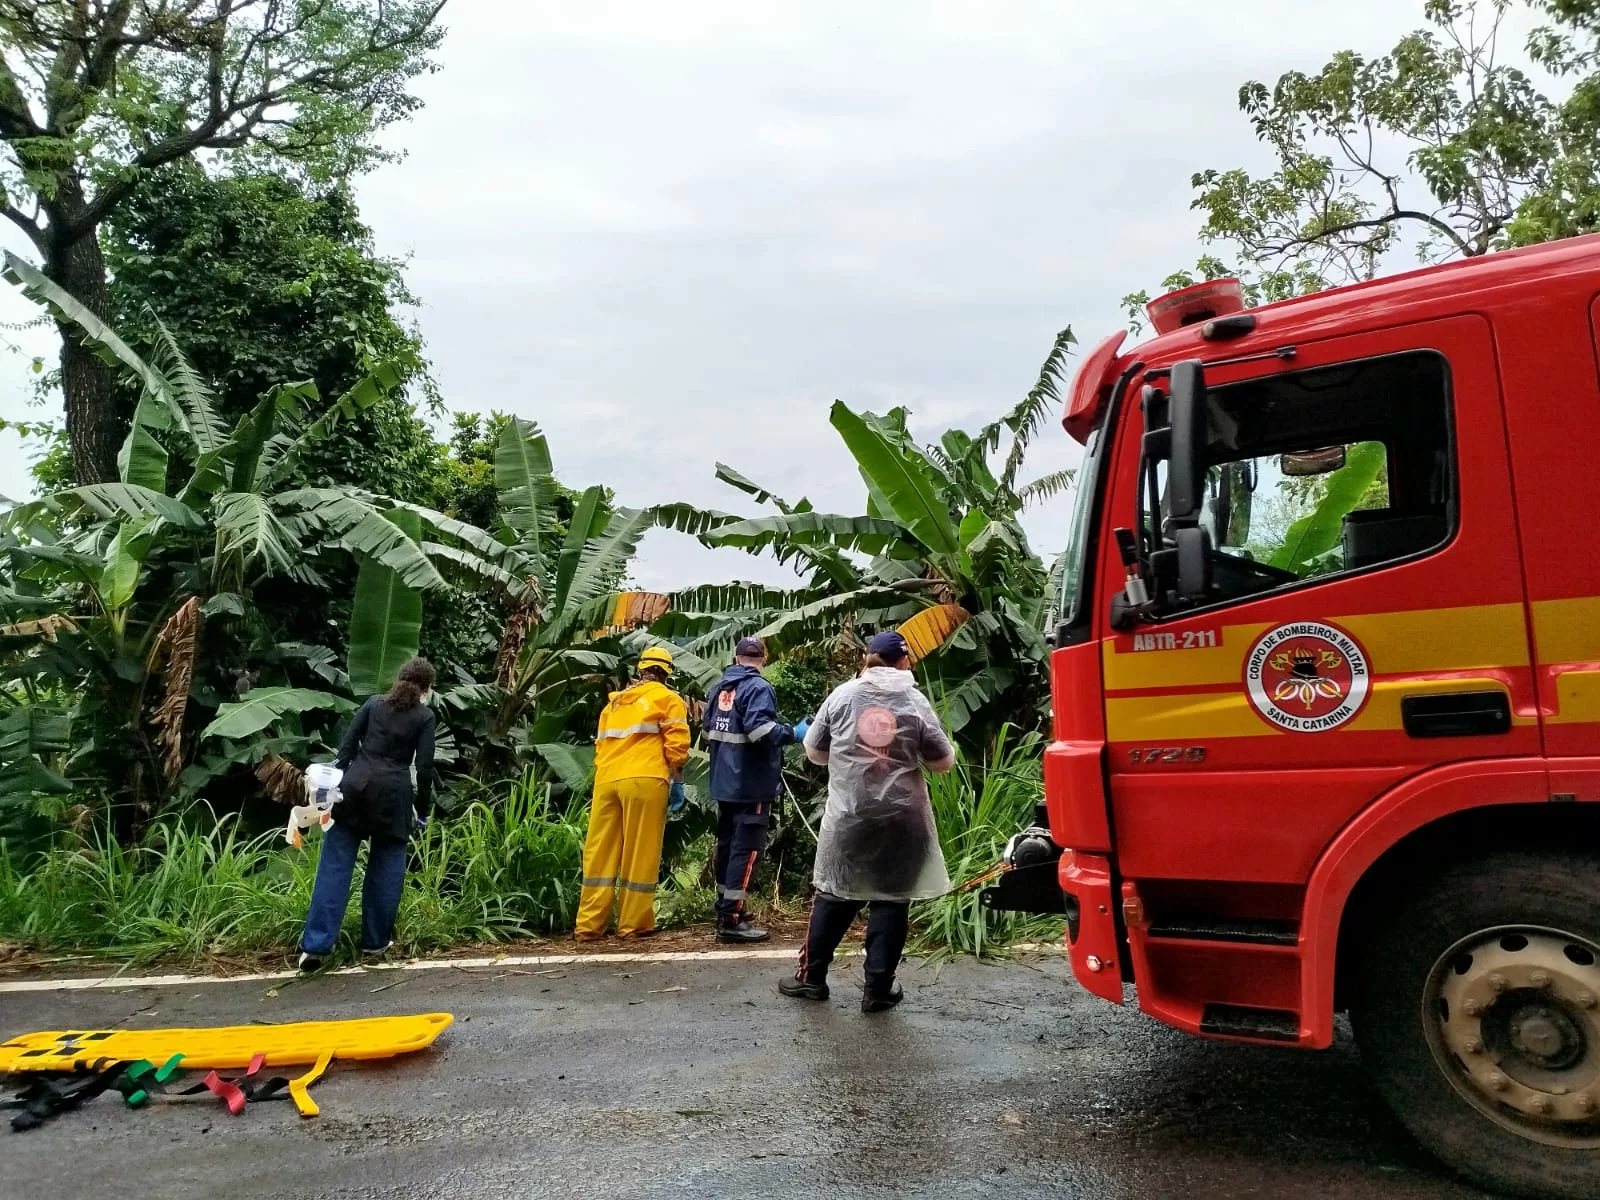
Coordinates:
(889, 646)
(750, 647)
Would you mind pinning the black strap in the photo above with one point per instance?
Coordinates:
(49, 1094)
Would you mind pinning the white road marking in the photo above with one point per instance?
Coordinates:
(770, 953)
(429, 964)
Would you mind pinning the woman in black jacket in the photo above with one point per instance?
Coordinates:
(376, 803)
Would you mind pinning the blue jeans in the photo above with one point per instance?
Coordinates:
(380, 890)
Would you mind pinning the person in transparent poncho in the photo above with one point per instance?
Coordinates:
(878, 846)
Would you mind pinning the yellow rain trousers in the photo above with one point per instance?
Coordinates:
(622, 854)
(643, 740)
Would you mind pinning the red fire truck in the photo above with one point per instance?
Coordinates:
(1327, 692)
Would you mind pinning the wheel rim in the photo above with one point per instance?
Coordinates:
(1513, 1020)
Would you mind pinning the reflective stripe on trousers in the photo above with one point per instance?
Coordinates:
(622, 855)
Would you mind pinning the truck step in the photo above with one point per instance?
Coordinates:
(1228, 929)
(1235, 1020)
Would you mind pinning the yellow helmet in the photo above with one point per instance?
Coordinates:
(657, 656)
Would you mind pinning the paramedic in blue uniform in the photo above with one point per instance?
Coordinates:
(745, 740)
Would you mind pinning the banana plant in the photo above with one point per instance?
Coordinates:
(947, 560)
(156, 571)
(567, 612)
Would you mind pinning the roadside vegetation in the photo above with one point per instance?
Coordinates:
(246, 522)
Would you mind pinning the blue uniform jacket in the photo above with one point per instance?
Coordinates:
(744, 737)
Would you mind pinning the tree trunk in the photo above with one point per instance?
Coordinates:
(94, 428)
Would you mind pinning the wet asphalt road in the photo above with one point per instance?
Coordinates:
(696, 1079)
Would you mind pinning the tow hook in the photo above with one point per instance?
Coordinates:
(1029, 878)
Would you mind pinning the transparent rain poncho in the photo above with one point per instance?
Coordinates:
(878, 840)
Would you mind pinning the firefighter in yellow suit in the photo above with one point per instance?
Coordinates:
(640, 749)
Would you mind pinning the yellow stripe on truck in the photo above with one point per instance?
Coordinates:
(1223, 663)
(1567, 631)
(1577, 698)
(1167, 718)
(1396, 643)
(1441, 639)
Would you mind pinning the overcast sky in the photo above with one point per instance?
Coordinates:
(673, 234)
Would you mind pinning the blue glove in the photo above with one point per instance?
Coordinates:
(675, 797)
(800, 729)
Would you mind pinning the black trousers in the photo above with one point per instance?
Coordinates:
(741, 839)
(887, 924)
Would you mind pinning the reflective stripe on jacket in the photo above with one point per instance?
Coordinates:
(744, 737)
(643, 734)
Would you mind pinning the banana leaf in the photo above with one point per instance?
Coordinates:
(525, 479)
(900, 480)
(29, 734)
(385, 619)
(262, 707)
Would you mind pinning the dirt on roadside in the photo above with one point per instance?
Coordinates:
(17, 959)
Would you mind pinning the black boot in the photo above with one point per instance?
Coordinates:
(802, 989)
(740, 932)
(877, 1000)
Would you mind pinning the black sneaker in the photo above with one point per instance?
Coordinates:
(742, 933)
(802, 989)
(872, 1001)
(309, 963)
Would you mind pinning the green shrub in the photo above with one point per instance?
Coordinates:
(492, 872)
(977, 807)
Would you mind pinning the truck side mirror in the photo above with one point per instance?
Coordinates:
(1194, 563)
(1186, 479)
(1186, 472)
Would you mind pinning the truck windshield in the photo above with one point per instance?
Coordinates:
(1080, 535)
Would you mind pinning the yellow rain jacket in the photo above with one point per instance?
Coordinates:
(643, 734)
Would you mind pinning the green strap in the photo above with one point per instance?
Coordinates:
(167, 1068)
(133, 1074)
(144, 1067)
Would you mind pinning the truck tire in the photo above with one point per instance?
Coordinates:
(1477, 1011)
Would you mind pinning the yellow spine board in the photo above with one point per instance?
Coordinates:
(224, 1047)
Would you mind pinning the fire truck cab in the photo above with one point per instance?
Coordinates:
(1326, 689)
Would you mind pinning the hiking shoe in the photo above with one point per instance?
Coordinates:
(583, 935)
(872, 1001)
(370, 955)
(802, 989)
(309, 963)
(741, 934)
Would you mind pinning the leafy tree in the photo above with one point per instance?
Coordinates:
(1442, 148)
(96, 93)
(261, 280)
(129, 608)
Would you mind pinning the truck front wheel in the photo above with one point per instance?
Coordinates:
(1477, 1011)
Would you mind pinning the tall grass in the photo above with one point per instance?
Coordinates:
(504, 866)
(492, 871)
(977, 807)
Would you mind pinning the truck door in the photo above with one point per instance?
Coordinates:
(1367, 621)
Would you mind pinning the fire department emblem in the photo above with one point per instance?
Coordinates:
(1307, 677)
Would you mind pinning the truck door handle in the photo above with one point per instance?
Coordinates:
(1456, 714)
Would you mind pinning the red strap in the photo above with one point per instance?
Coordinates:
(229, 1092)
(256, 1063)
